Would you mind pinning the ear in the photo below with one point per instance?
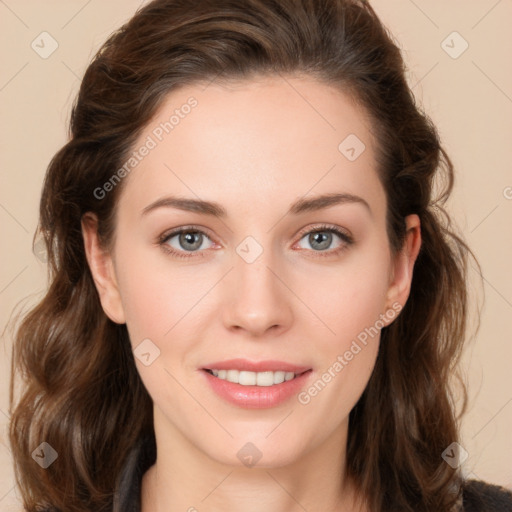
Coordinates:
(403, 265)
(102, 270)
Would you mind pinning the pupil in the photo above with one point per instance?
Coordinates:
(188, 238)
(322, 238)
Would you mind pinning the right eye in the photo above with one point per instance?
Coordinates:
(187, 240)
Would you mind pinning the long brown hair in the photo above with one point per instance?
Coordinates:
(81, 392)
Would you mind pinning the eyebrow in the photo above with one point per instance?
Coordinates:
(216, 210)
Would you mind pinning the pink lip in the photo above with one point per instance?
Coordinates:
(256, 397)
(261, 366)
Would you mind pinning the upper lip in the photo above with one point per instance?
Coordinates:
(256, 366)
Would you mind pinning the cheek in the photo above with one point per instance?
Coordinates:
(347, 358)
(352, 305)
(350, 297)
(156, 294)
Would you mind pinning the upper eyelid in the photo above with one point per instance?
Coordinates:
(324, 227)
(185, 229)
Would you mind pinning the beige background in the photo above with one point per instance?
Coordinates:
(468, 97)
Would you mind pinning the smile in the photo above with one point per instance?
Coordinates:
(247, 378)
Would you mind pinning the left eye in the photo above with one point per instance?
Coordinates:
(323, 238)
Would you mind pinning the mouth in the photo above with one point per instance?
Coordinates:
(256, 385)
(250, 378)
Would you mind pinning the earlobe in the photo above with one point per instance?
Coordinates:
(102, 270)
(403, 266)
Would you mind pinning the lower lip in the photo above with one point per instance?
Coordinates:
(257, 397)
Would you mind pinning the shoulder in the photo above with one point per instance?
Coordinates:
(478, 496)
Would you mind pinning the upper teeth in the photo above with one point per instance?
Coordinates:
(253, 378)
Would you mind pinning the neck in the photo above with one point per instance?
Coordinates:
(185, 478)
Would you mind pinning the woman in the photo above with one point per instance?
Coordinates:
(297, 355)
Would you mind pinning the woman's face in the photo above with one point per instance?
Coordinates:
(268, 280)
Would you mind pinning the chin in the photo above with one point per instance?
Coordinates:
(253, 451)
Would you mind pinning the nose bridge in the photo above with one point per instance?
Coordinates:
(258, 299)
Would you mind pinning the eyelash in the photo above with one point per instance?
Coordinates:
(345, 237)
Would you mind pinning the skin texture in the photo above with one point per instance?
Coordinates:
(255, 147)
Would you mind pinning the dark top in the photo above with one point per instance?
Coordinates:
(477, 496)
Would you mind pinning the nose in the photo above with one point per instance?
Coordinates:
(257, 298)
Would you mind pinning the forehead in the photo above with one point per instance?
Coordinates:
(255, 143)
